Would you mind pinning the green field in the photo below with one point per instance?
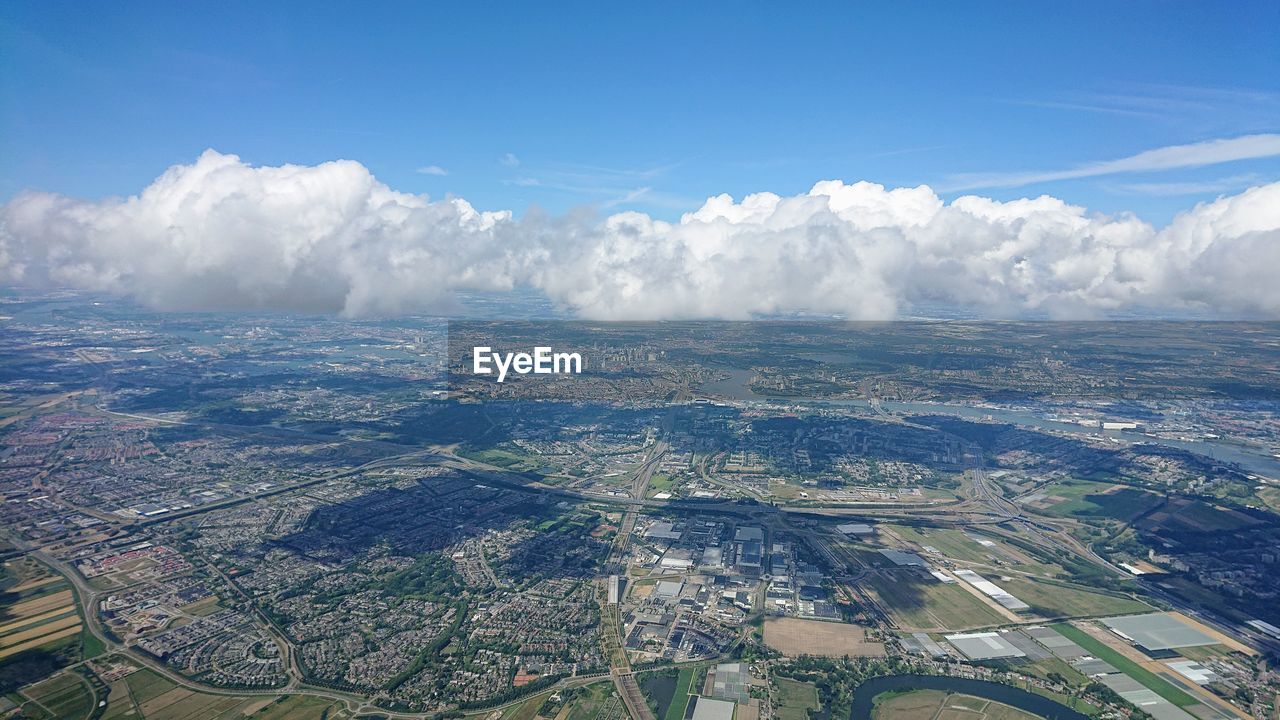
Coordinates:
(1100, 650)
(1086, 499)
(1074, 703)
(159, 699)
(145, 685)
(952, 543)
(499, 457)
(1198, 516)
(40, 629)
(65, 695)
(1057, 600)
(1271, 496)
(793, 698)
(298, 707)
(931, 605)
(937, 705)
(675, 711)
(526, 710)
(589, 701)
(660, 483)
(913, 705)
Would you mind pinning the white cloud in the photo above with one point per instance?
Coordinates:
(1173, 157)
(331, 238)
(432, 170)
(510, 160)
(1190, 187)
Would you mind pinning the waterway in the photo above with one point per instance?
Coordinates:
(737, 387)
(661, 688)
(864, 696)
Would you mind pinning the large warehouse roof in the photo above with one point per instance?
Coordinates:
(1158, 631)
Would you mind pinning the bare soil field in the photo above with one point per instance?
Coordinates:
(794, 637)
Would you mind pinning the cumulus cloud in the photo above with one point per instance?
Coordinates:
(219, 233)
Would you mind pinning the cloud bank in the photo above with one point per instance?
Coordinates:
(220, 234)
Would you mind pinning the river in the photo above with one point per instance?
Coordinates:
(737, 387)
(864, 695)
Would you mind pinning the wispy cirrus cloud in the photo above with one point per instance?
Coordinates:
(604, 187)
(907, 151)
(1233, 183)
(1172, 157)
(1241, 109)
(432, 170)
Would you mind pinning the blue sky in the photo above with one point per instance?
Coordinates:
(648, 107)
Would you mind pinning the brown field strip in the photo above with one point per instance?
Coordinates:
(40, 605)
(40, 631)
(33, 584)
(39, 641)
(15, 624)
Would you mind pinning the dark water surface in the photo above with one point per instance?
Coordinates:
(864, 696)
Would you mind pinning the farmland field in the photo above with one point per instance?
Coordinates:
(299, 707)
(792, 636)
(952, 543)
(1058, 600)
(794, 698)
(40, 628)
(929, 605)
(145, 695)
(1082, 498)
(65, 695)
(1188, 515)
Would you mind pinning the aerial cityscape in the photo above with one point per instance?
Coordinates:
(210, 516)
(639, 361)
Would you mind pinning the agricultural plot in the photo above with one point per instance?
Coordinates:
(949, 542)
(145, 695)
(1085, 499)
(66, 695)
(793, 699)
(1061, 600)
(37, 610)
(297, 707)
(795, 637)
(1188, 515)
(919, 604)
(972, 547)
